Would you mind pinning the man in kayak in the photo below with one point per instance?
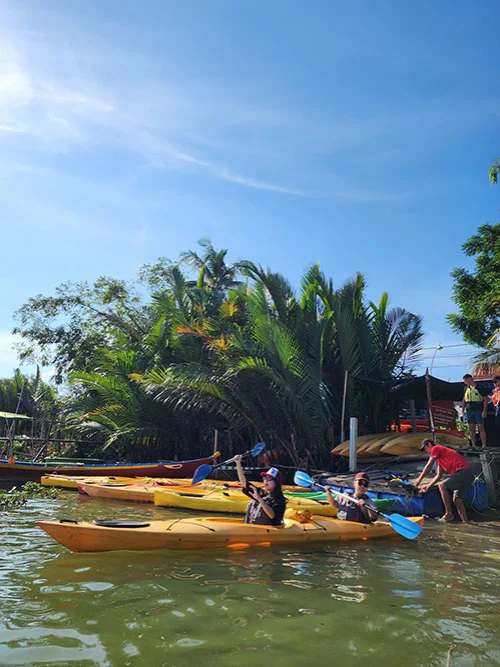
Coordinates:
(358, 512)
(268, 505)
(460, 480)
(474, 408)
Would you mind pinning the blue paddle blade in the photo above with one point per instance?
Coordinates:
(303, 479)
(257, 449)
(201, 473)
(403, 525)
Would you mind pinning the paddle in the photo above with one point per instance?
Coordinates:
(203, 471)
(399, 523)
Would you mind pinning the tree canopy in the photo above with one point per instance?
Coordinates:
(477, 292)
(235, 348)
(494, 170)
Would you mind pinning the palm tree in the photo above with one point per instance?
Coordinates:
(280, 372)
(215, 277)
(488, 361)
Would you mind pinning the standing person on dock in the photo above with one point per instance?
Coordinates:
(496, 398)
(460, 480)
(268, 504)
(359, 512)
(474, 407)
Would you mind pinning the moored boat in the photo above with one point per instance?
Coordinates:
(209, 533)
(24, 471)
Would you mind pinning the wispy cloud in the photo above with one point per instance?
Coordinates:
(58, 94)
(56, 99)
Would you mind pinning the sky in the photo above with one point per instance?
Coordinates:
(356, 134)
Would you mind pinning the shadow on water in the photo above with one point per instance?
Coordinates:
(392, 602)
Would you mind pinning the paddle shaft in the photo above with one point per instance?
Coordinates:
(230, 460)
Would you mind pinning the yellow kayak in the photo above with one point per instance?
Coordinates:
(360, 442)
(209, 533)
(144, 491)
(409, 444)
(72, 481)
(230, 501)
(135, 492)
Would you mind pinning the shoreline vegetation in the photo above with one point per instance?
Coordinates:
(152, 368)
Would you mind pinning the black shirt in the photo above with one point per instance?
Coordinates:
(255, 513)
(350, 512)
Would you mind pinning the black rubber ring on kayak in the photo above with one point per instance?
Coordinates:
(121, 524)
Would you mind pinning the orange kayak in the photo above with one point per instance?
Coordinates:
(210, 533)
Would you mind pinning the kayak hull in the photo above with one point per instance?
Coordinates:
(24, 471)
(230, 502)
(72, 481)
(235, 502)
(211, 533)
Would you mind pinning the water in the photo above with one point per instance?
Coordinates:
(394, 602)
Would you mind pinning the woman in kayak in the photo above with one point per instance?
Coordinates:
(354, 511)
(268, 504)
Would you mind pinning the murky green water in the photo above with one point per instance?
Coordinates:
(394, 602)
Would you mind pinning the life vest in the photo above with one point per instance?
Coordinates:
(496, 397)
(473, 395)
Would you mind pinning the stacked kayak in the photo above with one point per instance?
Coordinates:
(363, 440)
(409, 444)
(396, 444)
(209, 533)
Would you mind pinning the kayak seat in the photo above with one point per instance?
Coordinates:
(121, 524)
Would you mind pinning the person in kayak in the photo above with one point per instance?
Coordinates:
(268, 504)
(460, 480)
(358, 512)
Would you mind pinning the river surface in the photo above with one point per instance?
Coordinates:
(395, 602)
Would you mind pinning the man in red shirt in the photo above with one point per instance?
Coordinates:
(460, 480)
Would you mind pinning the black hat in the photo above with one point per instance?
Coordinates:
(426, 442)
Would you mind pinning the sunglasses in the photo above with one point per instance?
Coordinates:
(362, 482)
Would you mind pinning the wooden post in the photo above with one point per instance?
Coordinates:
(413, 416)
(353, 438)
(489, 479)
(342, 419)
(429, 401)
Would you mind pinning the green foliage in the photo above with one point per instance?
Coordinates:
(34, 489)
(280, 371)
(494, 171)
(257, 361)
(64, 330)
(18, 497)
(477, 293)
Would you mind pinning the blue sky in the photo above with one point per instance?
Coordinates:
(354, 134)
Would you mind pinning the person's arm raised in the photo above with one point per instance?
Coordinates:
(239, 469)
